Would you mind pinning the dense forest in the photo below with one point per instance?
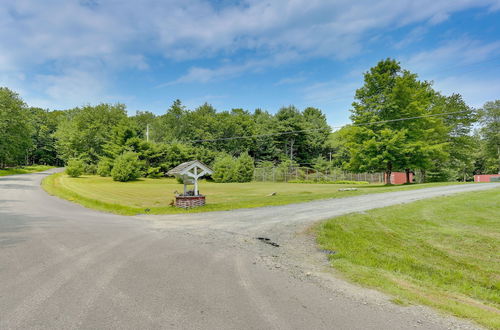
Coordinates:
(399, 123)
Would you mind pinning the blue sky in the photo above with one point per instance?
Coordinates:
(61, 54)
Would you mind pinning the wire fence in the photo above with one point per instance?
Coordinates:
(285, 174)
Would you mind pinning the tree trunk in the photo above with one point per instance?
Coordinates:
(388, 173)
(407, 170)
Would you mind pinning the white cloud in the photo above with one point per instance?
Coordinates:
(291, 80)
(229, 70)
(50, 36)
(475, 90)
(453, 54)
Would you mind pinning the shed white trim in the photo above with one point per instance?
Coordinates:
(190, 172)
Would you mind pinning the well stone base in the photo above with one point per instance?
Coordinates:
(187, 202)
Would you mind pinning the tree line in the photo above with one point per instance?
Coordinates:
(441, 138)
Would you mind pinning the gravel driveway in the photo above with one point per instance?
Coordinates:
(63, 266)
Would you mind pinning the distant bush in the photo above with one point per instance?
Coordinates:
(154, 172)
(75, 167)
(90, 169)
(104, 167)
(230, 169)
(126, 167)
(224, 168)
(244, 168)
(329, 182)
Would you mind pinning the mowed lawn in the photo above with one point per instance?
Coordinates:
(24, 170)
(443, 252)
(155, 195)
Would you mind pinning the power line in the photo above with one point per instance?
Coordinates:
(329, 128)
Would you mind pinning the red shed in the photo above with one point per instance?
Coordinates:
(398, 177)
(487, 178)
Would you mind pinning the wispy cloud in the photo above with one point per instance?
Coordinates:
(454, 54)
(291, 80)
(44, 39)
(229, 70)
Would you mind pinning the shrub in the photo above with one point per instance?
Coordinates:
(90, 169)
(126, 167)
(224, 168)
(244, 168)
(230, 169)
(154, 172)
(104, 167)
(75, 167)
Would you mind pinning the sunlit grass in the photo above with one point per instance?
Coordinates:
(24, 169)
(443, 252)
(155, 195)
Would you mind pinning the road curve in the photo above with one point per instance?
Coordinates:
(66, 267)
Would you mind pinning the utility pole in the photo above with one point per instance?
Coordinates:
(147, 132)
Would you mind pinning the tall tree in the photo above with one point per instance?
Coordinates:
(44, 123)
(461, 145)
(264, 146)
(317, 132)
(144, 122)
(290, 123)
(85, 131)
(490, 131)
(15, 129)
(380, 141)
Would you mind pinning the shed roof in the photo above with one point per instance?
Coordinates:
(185, 167)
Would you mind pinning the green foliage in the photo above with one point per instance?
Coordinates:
(224, 168)
(389, 93)
(104, 167)
(44, 123)
(230, 169)
(75, 167)
(90, 169)
(490, 131)
(153, 172)
(438, 147)
(126, 167)
(84, 131)
(244, 168)
(15, 129)
(321, 164)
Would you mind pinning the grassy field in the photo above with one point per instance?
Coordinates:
(24, 169)
(156, 194)
(443, 252)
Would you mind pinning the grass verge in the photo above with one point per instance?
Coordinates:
(443, 252)
(24, 170)
(154, 195)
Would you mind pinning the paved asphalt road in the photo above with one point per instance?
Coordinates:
(63, 266)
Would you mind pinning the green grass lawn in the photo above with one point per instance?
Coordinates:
(24, 169)
(443, 252)
(156, 194)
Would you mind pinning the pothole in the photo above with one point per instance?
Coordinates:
(268, 241)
